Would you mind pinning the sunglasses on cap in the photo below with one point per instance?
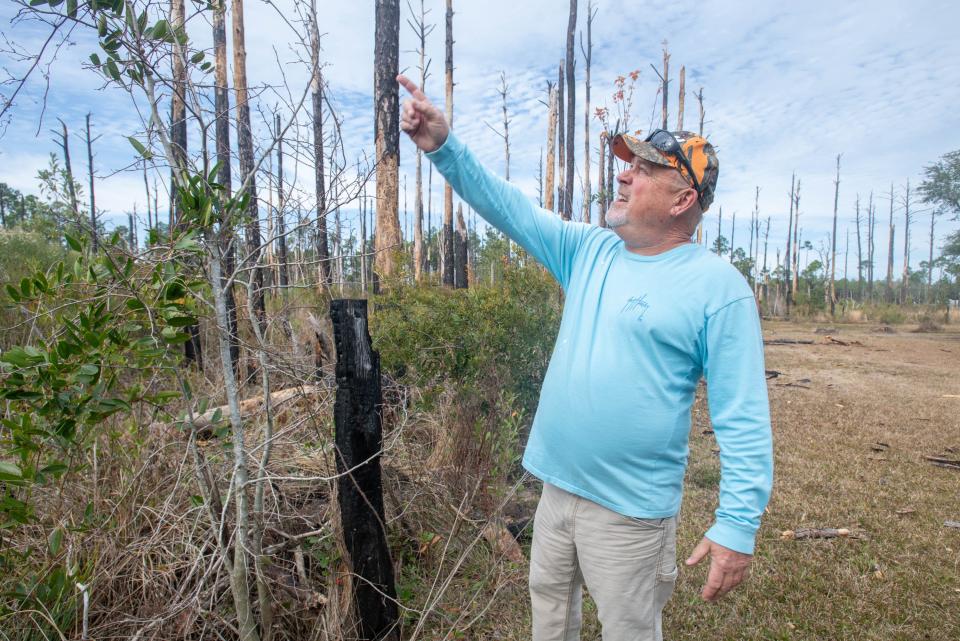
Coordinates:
(665, 142)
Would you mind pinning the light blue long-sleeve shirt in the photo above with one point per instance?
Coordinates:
(637, 334)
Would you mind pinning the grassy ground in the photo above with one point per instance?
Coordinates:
(901, 580)
(900, 577)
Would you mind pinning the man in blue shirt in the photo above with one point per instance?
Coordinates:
(647, 314)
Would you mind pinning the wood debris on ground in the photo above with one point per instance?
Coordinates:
(830, 340)
(942, 461)
(818, 533)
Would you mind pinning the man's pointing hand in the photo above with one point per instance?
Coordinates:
(422, 121)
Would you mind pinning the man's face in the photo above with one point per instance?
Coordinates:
(645, 194)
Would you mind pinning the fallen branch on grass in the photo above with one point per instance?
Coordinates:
(830, 340)
(941, 461)
(815, 533)
(205, 423)
(786, 341)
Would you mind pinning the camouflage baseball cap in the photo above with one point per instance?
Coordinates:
(699, 154)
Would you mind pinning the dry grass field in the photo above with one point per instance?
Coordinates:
(852, 424)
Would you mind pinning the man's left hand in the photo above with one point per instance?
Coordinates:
(727, 568)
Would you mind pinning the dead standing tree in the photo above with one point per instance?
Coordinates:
(247, 164)
(421, 30)
(681, 97)
(833, 242)
(548, 193)
(222, 120)
(68, 169)
(320, 191)
(281, 232)
(93, 200)
(447, 255)
(359, 442)
(892, 229)
(788, 255)
(387, 135)
(571, 110)
(905, 276)
(587, 57)
(561, 148)
(665, 79)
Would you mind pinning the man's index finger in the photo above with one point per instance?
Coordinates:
(411, 87)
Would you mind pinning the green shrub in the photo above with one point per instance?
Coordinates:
(498, 335)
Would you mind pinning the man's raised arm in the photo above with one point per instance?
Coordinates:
(545, 237)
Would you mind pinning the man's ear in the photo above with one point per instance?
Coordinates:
(683, 202)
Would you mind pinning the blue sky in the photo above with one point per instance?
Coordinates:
(787, 87)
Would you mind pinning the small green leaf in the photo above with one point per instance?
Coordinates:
(26, 286)
(10, 471)
(197, 57)
(13, 293)
(55, 540)
(89, 370)
(73, 243)
(95, 59)
(196, 500)
(112, 70)
(72, 8)
(54, 469)
(160, 30)
(181, 321)
(143, 151)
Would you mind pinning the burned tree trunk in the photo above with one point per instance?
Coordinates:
(833, 242)
(905, 278)
(603, 194)
(859, 250)
(788, 253)
(548, 194)
(281, 222)
(681, 98)
(316, 91)
(387, 135)
(359, 440)
(222, 115)
(93, 200)
(561, 148)
(421, 30)
(571, 111)
(700, 102)
(587, 54)
(71, 185)
(665, 79)
(247, 167)
(889, 292)
(447, 236)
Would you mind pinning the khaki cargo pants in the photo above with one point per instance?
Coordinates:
(628, 565)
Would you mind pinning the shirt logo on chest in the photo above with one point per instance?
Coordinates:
(636, 305)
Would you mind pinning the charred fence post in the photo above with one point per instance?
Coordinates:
(358, 443)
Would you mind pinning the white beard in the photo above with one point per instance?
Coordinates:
(617, 214)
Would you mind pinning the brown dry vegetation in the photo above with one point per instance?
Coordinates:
(154, 575)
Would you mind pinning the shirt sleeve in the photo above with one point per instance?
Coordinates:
(550, 240)
(740, 413)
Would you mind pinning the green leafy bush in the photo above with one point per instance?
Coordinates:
(498, 335)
